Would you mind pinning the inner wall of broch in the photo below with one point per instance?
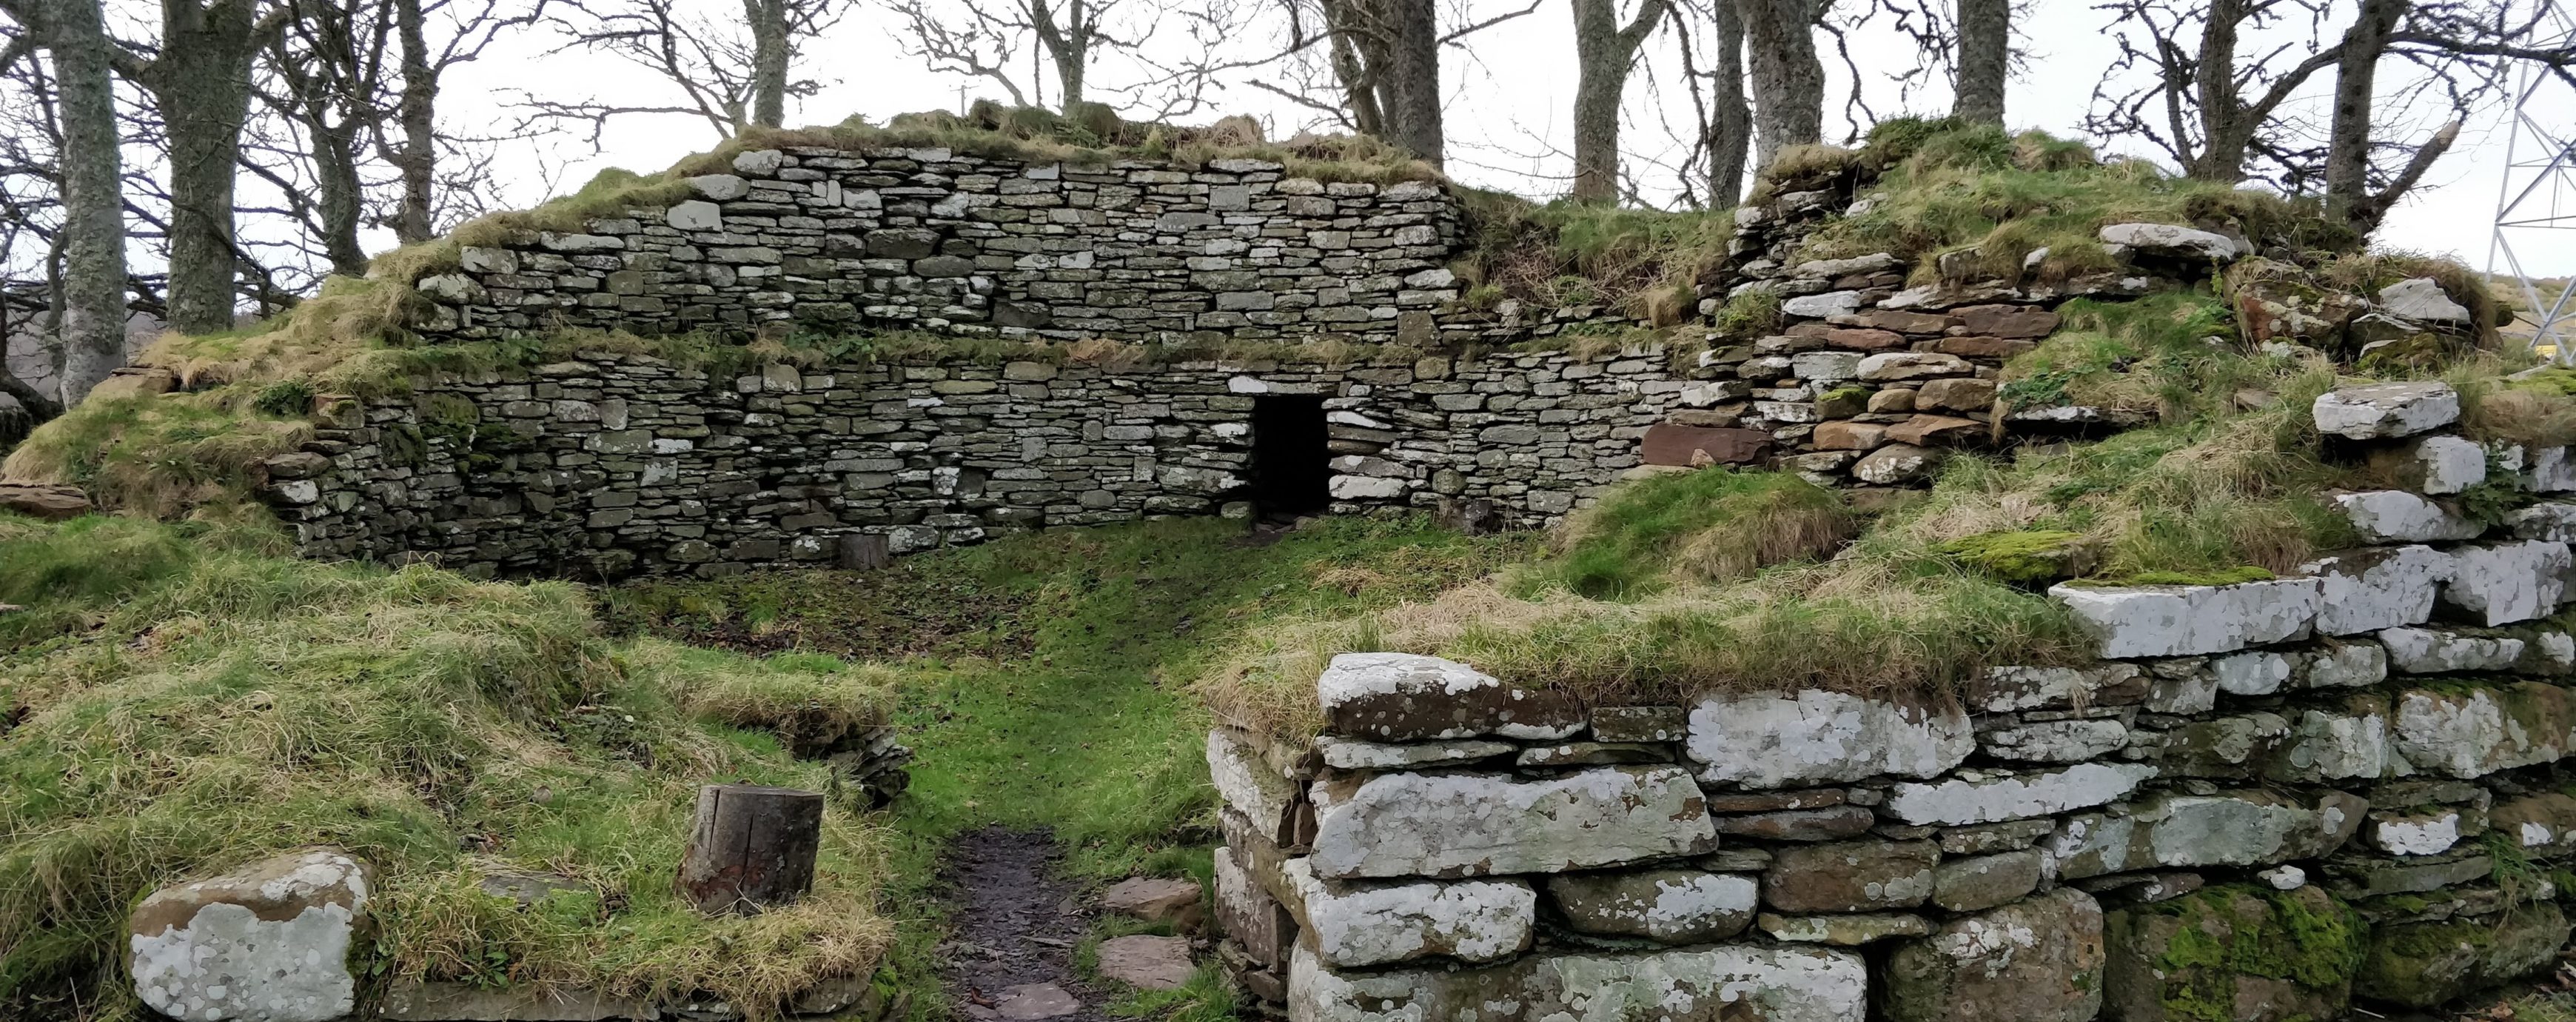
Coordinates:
(607, 464)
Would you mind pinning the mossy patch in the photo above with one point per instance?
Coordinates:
(2023, 556)
(1710, 525)
(2306, 937)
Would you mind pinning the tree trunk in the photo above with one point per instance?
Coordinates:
(1730, 123)
(751, 847)
(2225, 133)
(1409, 84)
(768, 61)
(93, 320)
(1068, 47)
(1985, 54)
(417, 113)
(1788, 80)
(1603, 53)
(341, 199)
(201, 85)
(2348, 144)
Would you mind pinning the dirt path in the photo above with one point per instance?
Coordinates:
(1012, 954)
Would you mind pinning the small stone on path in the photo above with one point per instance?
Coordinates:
(1153, 899)
(1147, 963)
(1037, 1000)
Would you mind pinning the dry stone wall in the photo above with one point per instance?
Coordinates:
(609, 465)
(2266, 801)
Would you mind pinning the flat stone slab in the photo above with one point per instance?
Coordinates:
(1672, 906)
(1959, 801)
(2478, 731)
(2160, 621)
(1481, 824)
(2367, 590)
(1404, 697)
(1720, 984)
(269, 941)
(2382, 411)
(1036, 1001)
(1356, 924)
(1783, 740)
(1147, 962)
(1152, 899)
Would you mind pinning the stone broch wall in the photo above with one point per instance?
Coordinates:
(2265, 802)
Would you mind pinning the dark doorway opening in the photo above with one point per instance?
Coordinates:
(1290, 466)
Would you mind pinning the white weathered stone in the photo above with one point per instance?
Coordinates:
(1476, 824)
(2170, 240)
(2254, 673)
(269, 942)
(2472, 733)
(1895, 464)
(1351, 754)
(694, 216)
(2283, 878)
(1780, 740)
(2149, 621)
(2446, 464)
(1248, 785)
(2367, 590)
(2552, 520)
(1825, 366)
(1674, 906)
(2551, 470)
(2353, 664)
(1733, 984)
(720, 187)
(2326, 746)
(2241, 828)
(1959, 801)
(1406, 697)
(2431, 832)
(2421, 300)
(1830, 303)
(759, 162)
(1827, 269)
(2055, 741)
(1898, 366)
(2500, 583)
(2381, 411)
(2396, 516)
(2436, 651)
(1344, 487)
(2009, 689)
(1374, 924)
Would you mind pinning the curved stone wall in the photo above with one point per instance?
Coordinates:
(2267, 801)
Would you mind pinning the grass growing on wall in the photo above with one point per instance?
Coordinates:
(183, 699)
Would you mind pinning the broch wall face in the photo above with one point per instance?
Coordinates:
(607, 466)
(2264, 802)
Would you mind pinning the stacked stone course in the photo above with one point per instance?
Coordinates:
(2267, 801)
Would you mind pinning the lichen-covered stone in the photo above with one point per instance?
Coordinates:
(2161, 621)
(2171, 241)
(2367, 590)
(1985, 881)
(2542, 823)
(1719, 984)
(1250, 786)
(2055, 741)
(269, 942)
(2425, 964)
(2386, 410)
(1780, 740)
(1352, 754)
(1845, 930)
(2233, 953)
(1958, 801)
(1480, 824)
(2008, 689)
(2442, 651)
(2039, 960)
(2500, 583)
(2477, 731)
(2239, 828)
(1377, 923)
(1673, 906)
(2396, 516)
(1406, 697)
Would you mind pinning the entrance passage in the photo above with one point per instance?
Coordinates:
(1290, 467)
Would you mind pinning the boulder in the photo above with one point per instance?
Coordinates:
(2171, 241)
(2473, 732)
(2367, 590)
(2170, 620)
(1404, 697)
(1788, 740)
(2500, 583)
(1898, 464)
(1673, 906)
(2421, 300)
(269, 942)
(1853, 876)
(1958, 800)
(2422, 965)
(2386, 411)
(2039, 960)
(1374, 924)
(1478, 824)
(2234, 953)
(1719, 984)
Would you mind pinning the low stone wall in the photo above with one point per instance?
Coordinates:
(610, 465)
(2266, 801)
(952, 241)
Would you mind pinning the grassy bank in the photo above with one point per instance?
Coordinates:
(182, 698)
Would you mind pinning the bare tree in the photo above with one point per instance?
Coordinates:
(1788, 80)
(1382, 58)
(980, 38)
(1984, 55)
(1724, 115)
(89, 280)
(199, 76)
(734, 80)
(1605, 51)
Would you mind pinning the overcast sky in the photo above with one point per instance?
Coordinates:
(1509, 92)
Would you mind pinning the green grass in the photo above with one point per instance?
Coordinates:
(182, 700)
(1709, 526)
(1646, 262)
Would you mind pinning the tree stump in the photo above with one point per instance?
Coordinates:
(751, 847)
(865, 551)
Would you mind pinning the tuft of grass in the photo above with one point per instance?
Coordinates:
(190, 701)
(1647, 262)
(1710, 525)
(1754, 312)
(2152, 355)
(159, 454)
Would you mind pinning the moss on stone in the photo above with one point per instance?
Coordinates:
(2215, 577)
(2306, 937)
(2022, 556)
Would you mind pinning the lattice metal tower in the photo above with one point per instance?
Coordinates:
(2539, 191)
